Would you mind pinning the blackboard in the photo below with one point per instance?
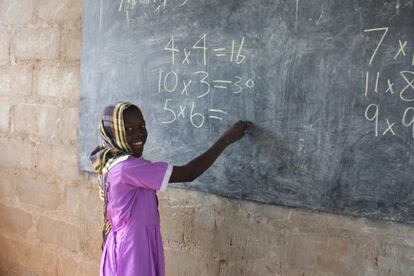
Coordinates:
(329, 86)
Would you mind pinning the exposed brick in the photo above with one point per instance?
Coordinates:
(83, 238)
(7, 185)
(4, 46)
(332, 256)
(291, 271)
(7, 255)
(71, 42)
(15, 153)
(60, 161)
(300, 250)
(60, 233)
(92, 234)
(12, 269)
(4, 117)
(215, 236)
(15, 81)
(207, 226)
(266, 266)
(16, 12)
(58, 10)
(45, 121)
(15, 220)
(36, 192)
(83, 202)
(23, 258)
(248, 266)
(69, 267)
(60, 82)
(179, 221)
(37, 43)
(209, 220)
(36, 119)
(182, 263)
(36, 259)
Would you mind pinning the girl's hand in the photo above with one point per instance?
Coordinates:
(198, 165)
(236, 132)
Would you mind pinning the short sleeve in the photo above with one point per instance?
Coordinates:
(146, 174)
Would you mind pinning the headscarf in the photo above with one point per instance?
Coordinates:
(112, 131)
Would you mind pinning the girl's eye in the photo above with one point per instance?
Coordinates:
(130, 129)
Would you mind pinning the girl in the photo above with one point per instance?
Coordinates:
(132, 244)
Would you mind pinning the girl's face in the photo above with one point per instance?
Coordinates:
(135, 131)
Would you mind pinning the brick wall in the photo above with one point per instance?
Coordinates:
(50, 214)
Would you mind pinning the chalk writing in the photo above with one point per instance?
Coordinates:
(196, 119)
(401, 49)
(402, 86)
(385, 29)
(169, 110)
(189, 92)
(145, 8)
(239, 58)
(409, 87)
(168, 82)
(185, 87)
(214, 111)
(406, 121)
(373, 117)
(376, 82)
(202, 41)
(389, 127)
(390, 86)
(205, 82)
(236, 54)
(170, 47)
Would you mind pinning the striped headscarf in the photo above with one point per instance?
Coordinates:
(112, 131)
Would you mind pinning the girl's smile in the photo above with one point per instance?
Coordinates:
(135, 131)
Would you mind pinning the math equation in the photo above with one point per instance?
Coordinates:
(184, 90)
(134, 9)
(376, 83)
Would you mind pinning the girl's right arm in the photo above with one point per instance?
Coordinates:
(200, 164)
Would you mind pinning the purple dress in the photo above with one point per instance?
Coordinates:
(134, 245)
